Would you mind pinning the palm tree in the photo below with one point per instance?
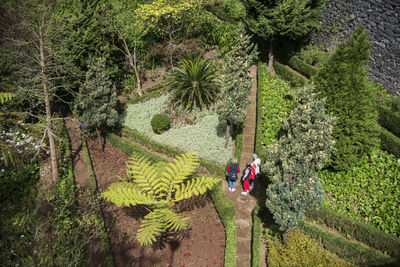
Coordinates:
(195, 84)
(158, 187)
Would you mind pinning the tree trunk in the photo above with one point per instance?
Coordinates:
(271, 56)
(49, 127)
(133, 64)
(228, 133)
(284, 237)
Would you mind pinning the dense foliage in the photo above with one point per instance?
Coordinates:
(292, 161)
(160, 123)
(276, 101)
(236, 82)
(368, 191)
(300, 250)
(343, 81)
(159, 186)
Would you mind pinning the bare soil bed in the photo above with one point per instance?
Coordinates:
(202, 245)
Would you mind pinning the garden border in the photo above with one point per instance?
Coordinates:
(223, 205)
(363, 232)
(256, 237)
(288, 75)
(151, 94)
(307, 70)
(389, 142)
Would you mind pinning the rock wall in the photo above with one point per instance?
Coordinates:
(382, 20)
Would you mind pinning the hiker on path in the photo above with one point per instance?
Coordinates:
(246, 179)
(255, 170)
(233, 173)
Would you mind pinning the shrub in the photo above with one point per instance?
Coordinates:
(300, 250)
(355, 253)
(389, 118)
(160, 123)
(311, 54)
(358, 230)
(275, 102)
(368, 191)
(287, 74)
(343, 81)
(256, 237)
(307, 70)
(389, 142)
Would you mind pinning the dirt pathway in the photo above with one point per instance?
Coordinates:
(245, 204)
(94, 250)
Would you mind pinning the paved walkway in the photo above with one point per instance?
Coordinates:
(244, 204)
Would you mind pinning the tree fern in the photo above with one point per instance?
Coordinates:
(159, 186)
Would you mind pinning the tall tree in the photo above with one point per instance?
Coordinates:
(97, 100)
(289, 19)
(292, 161)
(343, 81)
(41, 67)
(159, 186)
(236, 82)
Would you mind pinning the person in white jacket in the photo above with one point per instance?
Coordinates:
(256, 165)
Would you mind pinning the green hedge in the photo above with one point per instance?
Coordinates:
(355, 253)
(307, 70)
(260, 77)
(256, 238)
(239, 147)
(93, 187)
(358, 230)
(155, 91)
(226, 211)
(142, 139)
(285, 73)
(390, 142)
(389, 119)
(224, 207)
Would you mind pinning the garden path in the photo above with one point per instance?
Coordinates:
(244, 205)
(94, 249)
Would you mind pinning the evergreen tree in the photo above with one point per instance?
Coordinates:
(343, 81)
(97, 99)
(293, 160)
(236, 82)
(277, 19)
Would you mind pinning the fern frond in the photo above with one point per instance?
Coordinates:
(125, 193)
(183, 166)
(194, 186)
(4, 97)
(141, 172)
(158, 221)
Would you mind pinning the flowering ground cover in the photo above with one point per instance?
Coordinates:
(206, 136)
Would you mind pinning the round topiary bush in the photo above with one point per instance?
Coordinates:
(160, 123)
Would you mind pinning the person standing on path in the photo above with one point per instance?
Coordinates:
(255, 170)
(233, 173)
(246, 179)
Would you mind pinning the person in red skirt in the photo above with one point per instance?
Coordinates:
(246, 175)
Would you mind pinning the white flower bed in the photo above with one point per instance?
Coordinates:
(202, 137)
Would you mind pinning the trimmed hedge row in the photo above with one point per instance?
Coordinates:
(262, 67)
(93, 186)
(285, 73)
(142, 139)
(224, 207)
(226, 211)
(307, 70)
(390, 142)
(389, 119)
(239, 147)
(155, 91)
(353, 252)
(256, 238)
(358, 230)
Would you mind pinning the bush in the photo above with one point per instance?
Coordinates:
(368, 191)
(160, 123)
(275, 101)
(300, 250)
(389, 118)
(311, 54)
(389, 142)
(256, 237)
(307, 70)
(355, 253)
(358, 230)
(285, 73)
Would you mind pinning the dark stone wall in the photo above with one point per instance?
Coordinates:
(381, 18)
